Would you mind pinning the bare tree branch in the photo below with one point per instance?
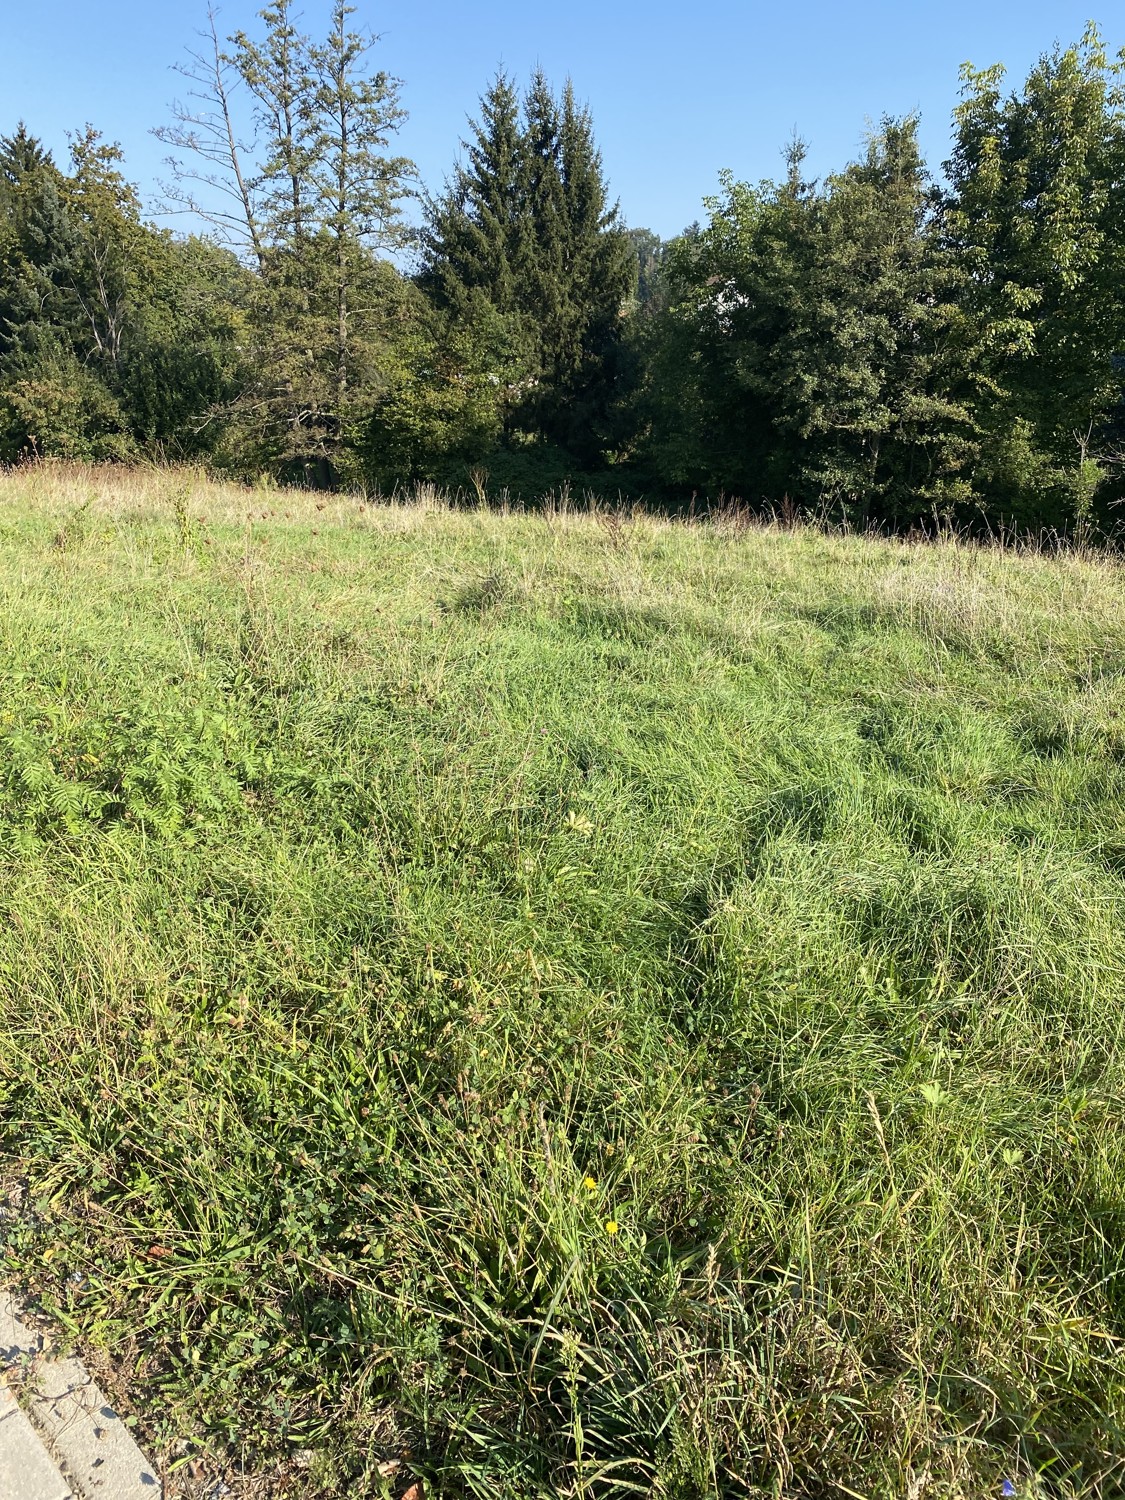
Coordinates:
(204, 128)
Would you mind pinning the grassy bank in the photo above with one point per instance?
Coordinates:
(566, 1005)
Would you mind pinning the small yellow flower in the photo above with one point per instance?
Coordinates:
(611, 1226)
(590, 1185)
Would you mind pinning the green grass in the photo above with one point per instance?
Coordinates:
(394, 901)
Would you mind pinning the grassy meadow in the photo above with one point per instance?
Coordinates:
(568, 1004)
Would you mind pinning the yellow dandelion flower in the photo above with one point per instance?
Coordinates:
(611, 1226)
(590, 1185)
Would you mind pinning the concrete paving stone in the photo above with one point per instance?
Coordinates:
(87, 1434)
(66, 1407)
(27, 1471)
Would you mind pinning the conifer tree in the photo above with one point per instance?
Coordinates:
(525, 243)
(545, 291)
(477, 247)
(278, 71)
(473, 240)
(601, 274)
(320, 197)
(38, 251)
(358, 188)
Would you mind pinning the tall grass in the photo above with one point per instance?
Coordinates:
(565, 1005)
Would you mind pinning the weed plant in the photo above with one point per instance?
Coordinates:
(565, 1005)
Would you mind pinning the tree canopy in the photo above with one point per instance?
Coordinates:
(881, 344)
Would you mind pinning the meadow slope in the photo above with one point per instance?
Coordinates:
(565, 1005)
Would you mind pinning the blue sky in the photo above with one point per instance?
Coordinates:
(678, 91)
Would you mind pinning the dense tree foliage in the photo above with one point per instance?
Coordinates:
(1035, 212)
(114, 337)
(815, 345)
(879, 345)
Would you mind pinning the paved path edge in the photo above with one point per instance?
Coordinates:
(80, 1436)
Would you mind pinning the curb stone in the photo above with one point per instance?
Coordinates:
(62, 1440)
(27, 1471)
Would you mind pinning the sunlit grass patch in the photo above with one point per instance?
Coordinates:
(566, 1006)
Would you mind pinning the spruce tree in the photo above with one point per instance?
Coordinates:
(545, 294)
(524, 242)
(474, 240)
(477, 249)
(39, 245)
(358, 188)
(601, 275)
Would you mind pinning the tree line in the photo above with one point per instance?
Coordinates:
(881, 345)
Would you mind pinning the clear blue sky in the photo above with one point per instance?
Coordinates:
(678, 90)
